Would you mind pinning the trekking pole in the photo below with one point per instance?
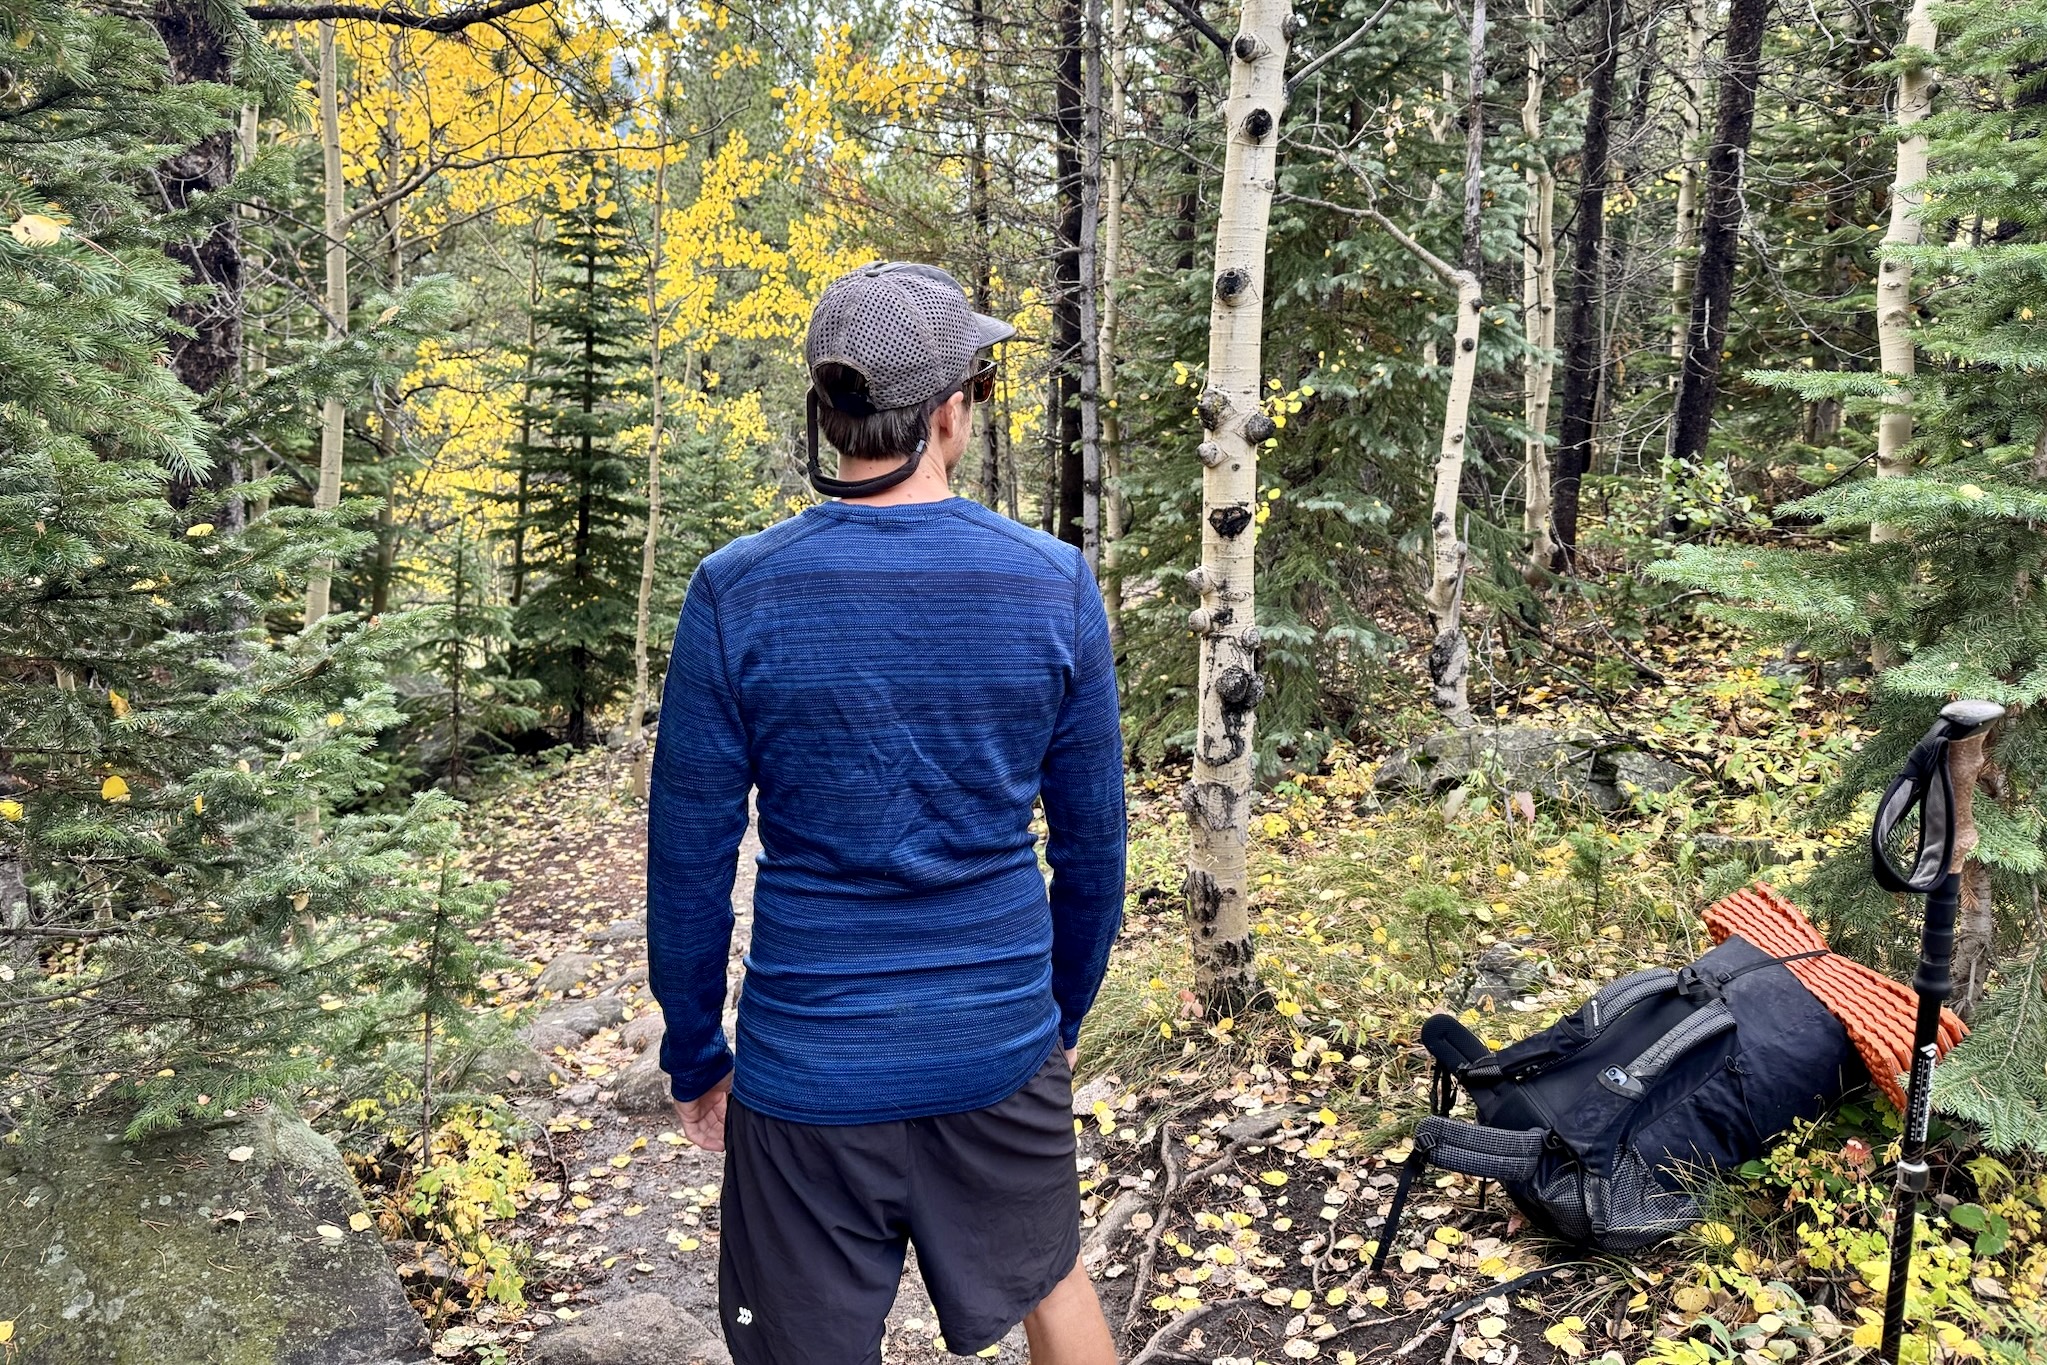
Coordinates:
(1937, 779)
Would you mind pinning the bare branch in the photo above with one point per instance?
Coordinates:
(454, 21)
(1294, 83)
(1201, 25)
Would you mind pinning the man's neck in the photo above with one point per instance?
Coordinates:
(931, 483)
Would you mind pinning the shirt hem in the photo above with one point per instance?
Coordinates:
(894, 1113)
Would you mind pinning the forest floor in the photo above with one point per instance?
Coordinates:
(1237, 1172)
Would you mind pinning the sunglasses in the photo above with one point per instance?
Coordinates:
(980, 385)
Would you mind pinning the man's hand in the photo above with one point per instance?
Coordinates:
(703, 1118)
(1072, 1056)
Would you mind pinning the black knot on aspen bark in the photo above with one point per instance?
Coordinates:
(1247, 47)
(1211, 454)
(1258, 427)
(1204, 901)
(1229, 522)
(1292, 25)
(1230, 952)
(1257, 124)
(1231, 283)
(1239, 689)
(1208, 804)
(1212, 408)
(1468, 344)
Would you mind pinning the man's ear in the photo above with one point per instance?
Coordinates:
(950, 418)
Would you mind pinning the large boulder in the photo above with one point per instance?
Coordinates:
(224, 1244)
(1570, 766)
(639, 1329)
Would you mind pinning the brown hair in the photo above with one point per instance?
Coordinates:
(890, 434)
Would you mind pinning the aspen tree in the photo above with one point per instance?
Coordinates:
(1118, 58)
(1538, 306)
(636, 719)
(1087, 338)
(1895, 347)
(332, 416)
(1218, 799)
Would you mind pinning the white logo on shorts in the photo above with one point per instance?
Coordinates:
(746, 1317)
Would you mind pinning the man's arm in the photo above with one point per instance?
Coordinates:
(1084, 817)
(696, 816)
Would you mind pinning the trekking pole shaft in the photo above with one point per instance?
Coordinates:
(1932, 984)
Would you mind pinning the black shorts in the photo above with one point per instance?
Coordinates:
(814, 1220)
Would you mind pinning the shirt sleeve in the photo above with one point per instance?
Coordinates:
(696, 817)
(1082, 788)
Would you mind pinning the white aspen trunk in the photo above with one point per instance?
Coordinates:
(636, 734)
(1086, 371)
(1538, 310)
(328, 495)
(1895, 350)
(394, 274)
(1684, 255)
(1449, 655)
(1105, 347)
(1218, 799)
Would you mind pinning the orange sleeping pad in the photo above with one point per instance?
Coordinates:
(1877, 1012)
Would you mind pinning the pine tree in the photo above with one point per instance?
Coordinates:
(1954, 600)
(576, 524)
(166, 906)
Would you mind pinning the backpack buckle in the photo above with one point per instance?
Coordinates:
(1697, 987)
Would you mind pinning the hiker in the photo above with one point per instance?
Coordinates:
(897, 676)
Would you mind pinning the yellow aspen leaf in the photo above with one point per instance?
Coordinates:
(199, 805)
(335, 720)
(10, 810)
(118, 702)
(6, 1331)
(359, 1221)
(199, 530)
(36, 229)
(115, 788)
(1273, 1178)
(329, 1231)
(1301, 1299)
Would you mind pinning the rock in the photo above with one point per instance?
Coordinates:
(1503, 972)
(1264, 1123)
(642, 1087)
(582, 1017)
(530, 1117)
(510, 1067)
(569, 969)
(644, 1030)
(1574, 766)
(635, 976)
(171, 1252)
(545, 1038)
(623, 931)
(1100, 1090)
(639, 1329)
(1754, 853)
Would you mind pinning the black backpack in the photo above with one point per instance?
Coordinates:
(1597, 1124)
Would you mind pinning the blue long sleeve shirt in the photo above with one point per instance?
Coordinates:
(897, 685)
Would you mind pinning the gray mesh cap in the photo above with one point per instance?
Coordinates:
(906, 329)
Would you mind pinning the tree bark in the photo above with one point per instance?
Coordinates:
(1538, 308)
(1719, 234)
(1218, 798)
(387, 406)
(1105, 347)
(332, 416)
(247, 135)
(1895, 350)
(1066, 280)
(636, 719)
(984, 243)
(1691, 79)
(207, 351)
(1087, 372)
(1584, 356)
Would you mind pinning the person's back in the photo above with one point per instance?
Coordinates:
(906, 677)
(896, 678)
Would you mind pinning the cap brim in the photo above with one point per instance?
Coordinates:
(988, 331)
